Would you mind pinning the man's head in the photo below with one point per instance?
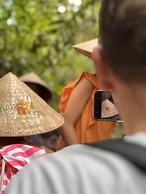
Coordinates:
(122, 25)
(121, 60)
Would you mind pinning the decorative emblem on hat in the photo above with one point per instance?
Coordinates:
(24, 107)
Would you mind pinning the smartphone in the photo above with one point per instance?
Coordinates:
(104, 107)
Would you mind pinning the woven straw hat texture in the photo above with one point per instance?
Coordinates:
(35, 79)
(87, 47)
(22, 111)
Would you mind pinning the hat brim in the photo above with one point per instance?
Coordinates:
(87, 47)
(33, 78)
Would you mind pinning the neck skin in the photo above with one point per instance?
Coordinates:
(131, 103)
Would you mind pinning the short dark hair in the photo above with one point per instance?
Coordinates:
(122, 30)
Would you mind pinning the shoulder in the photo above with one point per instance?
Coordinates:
(91, 78)
(77, 169)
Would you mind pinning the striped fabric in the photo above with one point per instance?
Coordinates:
(13, 158)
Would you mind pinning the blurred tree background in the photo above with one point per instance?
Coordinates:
(37, 35)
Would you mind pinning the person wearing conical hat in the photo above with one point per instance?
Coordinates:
(48, 140)
(37, 85)
(22, 113)
(76, 105)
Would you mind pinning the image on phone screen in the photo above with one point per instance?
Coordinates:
(104, 107)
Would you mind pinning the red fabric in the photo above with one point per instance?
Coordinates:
(13, 158)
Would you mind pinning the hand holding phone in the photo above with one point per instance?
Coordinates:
(104, 107)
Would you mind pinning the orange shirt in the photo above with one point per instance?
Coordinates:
(87, 128)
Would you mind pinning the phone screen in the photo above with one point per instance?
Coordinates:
(104, 107)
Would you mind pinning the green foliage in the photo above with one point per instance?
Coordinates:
(37, 35)
(119, 130)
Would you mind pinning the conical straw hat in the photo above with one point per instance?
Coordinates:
(22, 111)
(35, 79)
(87, 47)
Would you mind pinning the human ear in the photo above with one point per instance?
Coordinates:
(103, 73)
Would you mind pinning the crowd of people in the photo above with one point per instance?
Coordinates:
(87, 160)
